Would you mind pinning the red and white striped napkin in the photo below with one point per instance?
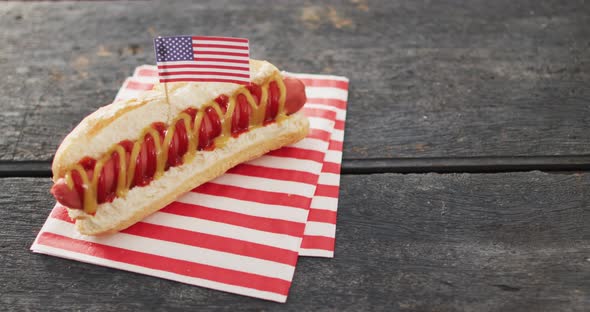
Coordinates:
(242, 232)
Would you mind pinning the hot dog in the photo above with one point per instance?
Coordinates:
(130, 159)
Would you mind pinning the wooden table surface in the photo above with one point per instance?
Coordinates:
(464, 186)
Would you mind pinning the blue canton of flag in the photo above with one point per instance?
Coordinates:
(170, 49)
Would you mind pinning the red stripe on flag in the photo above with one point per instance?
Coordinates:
(205, 80)
(174, 73)
(221, 46)
(198, 52)
(318, 242)
(238, 219)
(181, 267)
(299, 153)
(320, 215)
(212, 59)
(341, 104)
(327, 190)
(325, 83)
(228, 39)
(274, 173)
(203, 66)
(134, 85)
(265, 197)
(335, 145)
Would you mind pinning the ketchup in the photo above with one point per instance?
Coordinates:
(215, 122)
(116, 168)
(152, 160)
(105, 191)
(88, 163)
(78, 184)
(127, 145)
(147, 160)
(173, 158)
(241, 118)
(272, 107)
(222, 100)
(191, 112)
(161, 128)
(210, 129)
(256, 92)
(140, 166)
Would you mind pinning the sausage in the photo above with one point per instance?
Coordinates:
(215, 122)
(295, 95)
(173, 159)
(140, 166)
(295, 99)
(205, 132)
(65, 196)
(256, 92)
(152, 158)
(241, 116)
(73, 199)
(106, 181)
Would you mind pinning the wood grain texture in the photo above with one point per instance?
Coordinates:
(469, 242)
(560, 164)
(428, 78)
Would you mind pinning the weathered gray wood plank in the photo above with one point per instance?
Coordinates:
(428, 78)
(472, 242)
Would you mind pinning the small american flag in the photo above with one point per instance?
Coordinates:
(203, 59)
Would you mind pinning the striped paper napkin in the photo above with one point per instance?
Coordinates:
(242, 232)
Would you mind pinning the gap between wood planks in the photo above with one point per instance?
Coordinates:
(494, 164)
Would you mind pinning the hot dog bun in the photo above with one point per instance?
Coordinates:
(143, 201)
(126, 120)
